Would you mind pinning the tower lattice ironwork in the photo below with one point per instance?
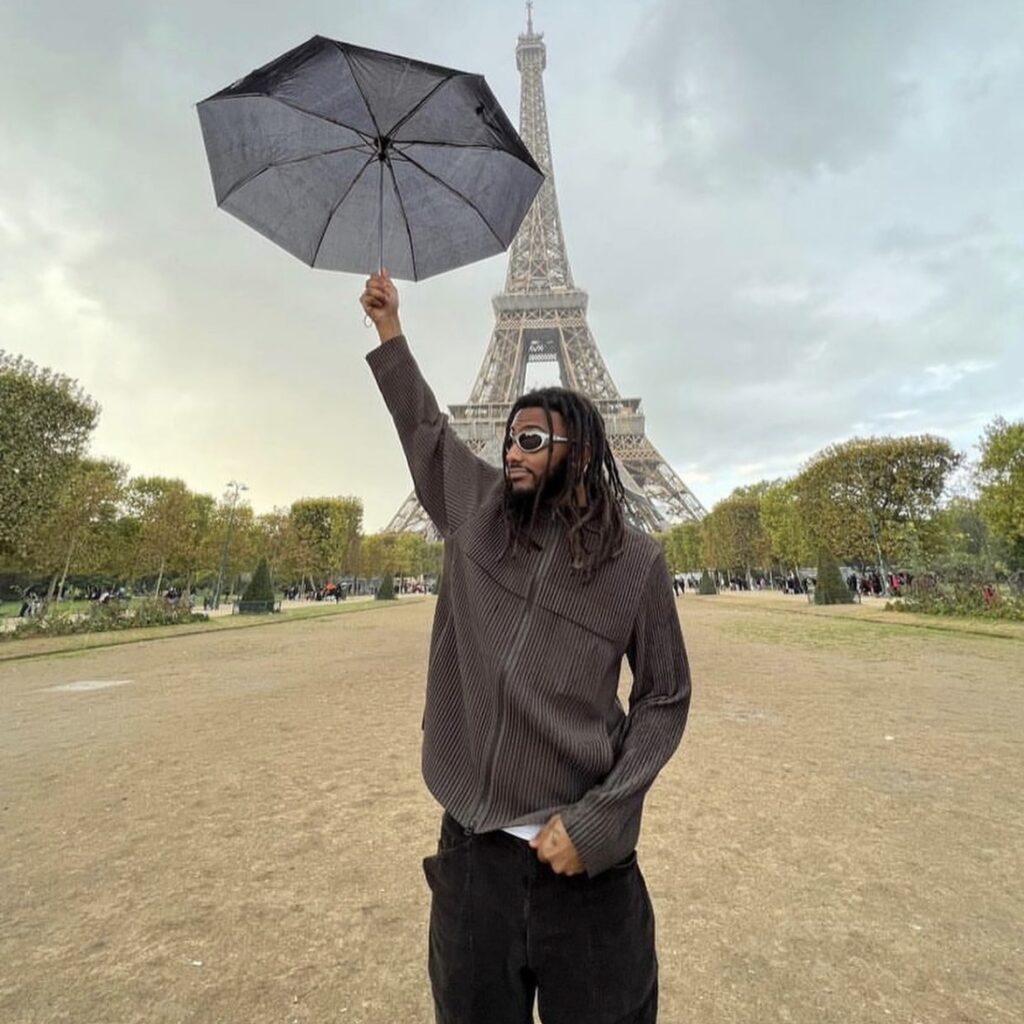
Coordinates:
(541, 317)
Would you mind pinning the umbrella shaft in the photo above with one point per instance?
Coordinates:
(380, 262)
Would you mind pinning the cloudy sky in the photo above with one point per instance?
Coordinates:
(797, 222)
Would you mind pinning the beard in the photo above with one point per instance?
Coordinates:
(520, 503)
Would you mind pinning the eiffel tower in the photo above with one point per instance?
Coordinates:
(541, 317)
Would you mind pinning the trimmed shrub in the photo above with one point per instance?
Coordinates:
(707, 584)
(830, 587)
(386, 590)
(260, 586)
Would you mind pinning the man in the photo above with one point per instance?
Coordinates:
(542, 774)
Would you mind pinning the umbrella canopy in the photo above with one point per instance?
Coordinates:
(352, 159)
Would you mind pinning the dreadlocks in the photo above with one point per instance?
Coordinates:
(595, 529)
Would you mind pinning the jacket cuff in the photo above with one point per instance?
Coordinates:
(603, 836)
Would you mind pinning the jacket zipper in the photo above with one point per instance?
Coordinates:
(513, 653)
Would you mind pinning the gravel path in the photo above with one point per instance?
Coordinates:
(228, 826)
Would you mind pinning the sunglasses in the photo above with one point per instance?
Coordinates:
(533, 440)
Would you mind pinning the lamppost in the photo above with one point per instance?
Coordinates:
(235, 488)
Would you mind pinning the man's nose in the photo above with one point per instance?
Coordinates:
(514, 455)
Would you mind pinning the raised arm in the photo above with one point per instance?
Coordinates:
(450, 480)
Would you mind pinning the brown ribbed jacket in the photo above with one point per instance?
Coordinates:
(522, 718)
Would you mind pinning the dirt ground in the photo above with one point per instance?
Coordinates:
(230, 827)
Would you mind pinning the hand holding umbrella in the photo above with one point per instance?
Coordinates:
(380, 303)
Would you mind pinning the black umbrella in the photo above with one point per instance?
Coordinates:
(352, 159)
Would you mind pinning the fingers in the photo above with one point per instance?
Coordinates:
(555, 848)
(565, 863)
(378, 296)
(379, 292)
(539, 842)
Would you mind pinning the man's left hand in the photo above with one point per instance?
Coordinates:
(555, 848)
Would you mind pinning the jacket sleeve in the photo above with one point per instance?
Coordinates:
(450, 480)
(605, 824)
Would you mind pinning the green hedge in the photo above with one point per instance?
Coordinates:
(106, 617)
(966, 594)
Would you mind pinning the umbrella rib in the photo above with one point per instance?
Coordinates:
(444, 184)
(403, 144)
(282, 163)
(366, 102)
(405, 220)
(334, 210)
(394, 128)
(323, 152)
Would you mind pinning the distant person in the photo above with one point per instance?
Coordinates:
(541, 773)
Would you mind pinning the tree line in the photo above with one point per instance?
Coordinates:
(66, 516)
(882, 502)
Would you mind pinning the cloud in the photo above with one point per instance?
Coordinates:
(943, 377)
(745, 91)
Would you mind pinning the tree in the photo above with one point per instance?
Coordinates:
(201, 521)
(120, 546)
(1001, 484)
(76, 533)
(784, 525)
(378, 555)
(433, 557)
(410, 554)
(328, 532)
(275, 536)
(164, 510)
(682, 546)
(232, 531)
(244, 548)
(733, 537)
(958, 538)
(857, 498)
(45, 424)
